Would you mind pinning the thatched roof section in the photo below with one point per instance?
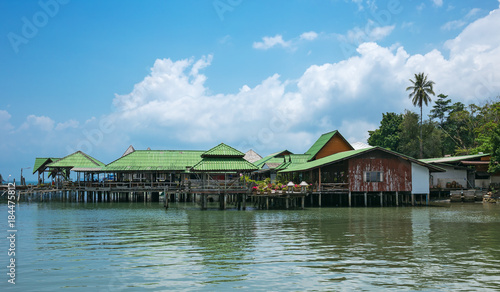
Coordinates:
(129, 150)
(252, 156)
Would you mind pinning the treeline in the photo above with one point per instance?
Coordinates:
(451, 129)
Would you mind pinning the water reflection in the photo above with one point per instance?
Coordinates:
(122, 246)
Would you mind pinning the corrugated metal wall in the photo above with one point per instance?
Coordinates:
(396, 173)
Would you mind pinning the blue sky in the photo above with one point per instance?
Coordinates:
(99, 76)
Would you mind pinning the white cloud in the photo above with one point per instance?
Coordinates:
(277, 40)
(42, 122)
(438, 3)
(269, 42)
(173, 102)
(356, 130)
(456, 24)
(351, 93)
(370, 33)
(309, 36)
(4, 121)
(68, 124)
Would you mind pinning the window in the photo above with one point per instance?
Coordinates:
(374, 176)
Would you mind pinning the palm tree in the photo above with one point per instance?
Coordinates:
(420, 94)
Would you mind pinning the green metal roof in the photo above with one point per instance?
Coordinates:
(334, 158)
(77, 160)
(453, 158)
(272, 158)
(320, 143)
(293, 160)
(223, 150)
(224, 164)
(40, 162)
(156, 160)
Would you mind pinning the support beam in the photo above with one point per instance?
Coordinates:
(397, 199)
(381, 199)
(366, 199)
(350, 199)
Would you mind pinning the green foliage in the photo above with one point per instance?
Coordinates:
(441, 109)
(495, 153)
(420, 91)
(463, 130)
(387, 136)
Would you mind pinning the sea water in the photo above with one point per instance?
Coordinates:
(138, 246)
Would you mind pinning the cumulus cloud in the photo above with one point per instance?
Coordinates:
(278, 41)
(342, 95)
(438, 3)
(270, 42)
(40, 122)
(456, 24)
(309, 36)
(370, 33)
(4, 121)
(68, 124)
(173, 102)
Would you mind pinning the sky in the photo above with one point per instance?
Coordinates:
(98, 76)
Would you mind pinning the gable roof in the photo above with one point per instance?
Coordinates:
(223, 150)
(276, 157)
(322, 141)
(334, 158)
(252, 156)
(77, 161)
(156, 160)
(293, 160)
(223, 164)
(40, 163)
(130, 149)
(223, 158)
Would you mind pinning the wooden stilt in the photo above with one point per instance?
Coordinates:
(366, 199)
(397, 200)
(350, 198)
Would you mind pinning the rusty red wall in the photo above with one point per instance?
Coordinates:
(397, 173)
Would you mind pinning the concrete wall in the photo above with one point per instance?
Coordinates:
(441, 178)
(419, 179)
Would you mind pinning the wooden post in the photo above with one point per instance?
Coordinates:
(381, 199)
(319, 183)
(366, 199)
(397, 200)
(319, 199)
(302, 203)
(427, 199)
(350, 198)
(412, 199)
(267, 203)
(244, 202)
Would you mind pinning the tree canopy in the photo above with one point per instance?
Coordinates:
(452, 128)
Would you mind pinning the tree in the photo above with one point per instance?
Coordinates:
(409, 128)
(495, 153)
(440, 109)
(419, 95)
(387, 135)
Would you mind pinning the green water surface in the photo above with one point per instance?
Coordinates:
(137, 246)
